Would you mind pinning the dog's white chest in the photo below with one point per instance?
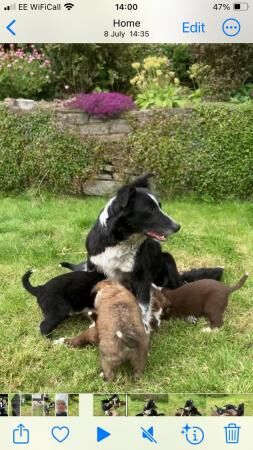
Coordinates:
(119, 258)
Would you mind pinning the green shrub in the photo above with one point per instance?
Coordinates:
(86, 67)
(157, 85)
(244, 94)
(207, 151)
(179, 54)
(34, 153)
(25, 72)
(230, 66)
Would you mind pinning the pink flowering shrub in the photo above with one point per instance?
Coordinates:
(103, 104)
(24, 73)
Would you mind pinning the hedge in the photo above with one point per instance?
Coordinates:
(34, 153)
(207, 151)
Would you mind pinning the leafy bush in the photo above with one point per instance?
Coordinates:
(230, 66)
(24, 73)
(35, 154)
(179, 55)
(103, 105)
(86, 67)
(244, 94)
(206, 151)
(157, 84)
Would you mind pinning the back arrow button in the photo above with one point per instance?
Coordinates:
(9, 27)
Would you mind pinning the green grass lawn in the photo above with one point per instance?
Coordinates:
(26, 406)
(97, 409)
(73, 405)
(41, 232)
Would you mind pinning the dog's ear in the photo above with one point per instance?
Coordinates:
(97, 287)
(142, 181)
(124, 195)
(101, 285)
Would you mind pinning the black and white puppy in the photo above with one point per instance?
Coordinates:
(63, 296)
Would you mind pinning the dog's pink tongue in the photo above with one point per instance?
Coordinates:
(159, 237)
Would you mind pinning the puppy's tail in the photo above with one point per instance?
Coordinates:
(34, 290)
(74, 267)
(129, 338)
(67, 265)
(239, 284)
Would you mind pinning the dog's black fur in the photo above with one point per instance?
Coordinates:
(135, 212)
(63, 296)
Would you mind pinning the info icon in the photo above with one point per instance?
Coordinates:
(194, 435)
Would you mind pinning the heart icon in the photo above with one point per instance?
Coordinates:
(60, 434)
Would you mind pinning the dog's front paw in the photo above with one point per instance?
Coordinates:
(60, 341)
(192, 320)
(209, 329)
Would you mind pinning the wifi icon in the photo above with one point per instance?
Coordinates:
(69, 6)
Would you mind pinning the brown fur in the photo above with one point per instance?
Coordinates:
(207, 298)
(87, 337)
(90, 336)
(159, 306)
(120, 330)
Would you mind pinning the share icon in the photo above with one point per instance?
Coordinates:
(149, 434)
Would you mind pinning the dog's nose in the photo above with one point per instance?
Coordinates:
(177, 227)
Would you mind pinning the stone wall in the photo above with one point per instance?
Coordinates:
(107, 130)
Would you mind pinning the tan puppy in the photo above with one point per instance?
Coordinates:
(121, 333)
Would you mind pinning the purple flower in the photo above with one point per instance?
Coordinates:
(103, 104)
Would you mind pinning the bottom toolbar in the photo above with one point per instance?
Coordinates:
(114, 431)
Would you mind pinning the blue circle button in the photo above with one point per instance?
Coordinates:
(231, 27)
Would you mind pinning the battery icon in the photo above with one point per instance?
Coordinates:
(242, 6)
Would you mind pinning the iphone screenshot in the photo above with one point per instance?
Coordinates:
(126, 225)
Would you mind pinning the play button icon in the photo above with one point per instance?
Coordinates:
(102, 434)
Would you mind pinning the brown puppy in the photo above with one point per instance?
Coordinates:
(159, 306)
(206, 298)
(119, 331)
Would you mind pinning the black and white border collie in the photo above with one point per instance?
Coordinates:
(124, 244)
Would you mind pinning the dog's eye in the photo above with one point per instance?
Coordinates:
(152, 208)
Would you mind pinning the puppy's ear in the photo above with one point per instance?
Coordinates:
(96, 288)
(142, 181)
(124, 196)
(101, 285)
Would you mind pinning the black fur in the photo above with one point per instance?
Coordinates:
(62, 296)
